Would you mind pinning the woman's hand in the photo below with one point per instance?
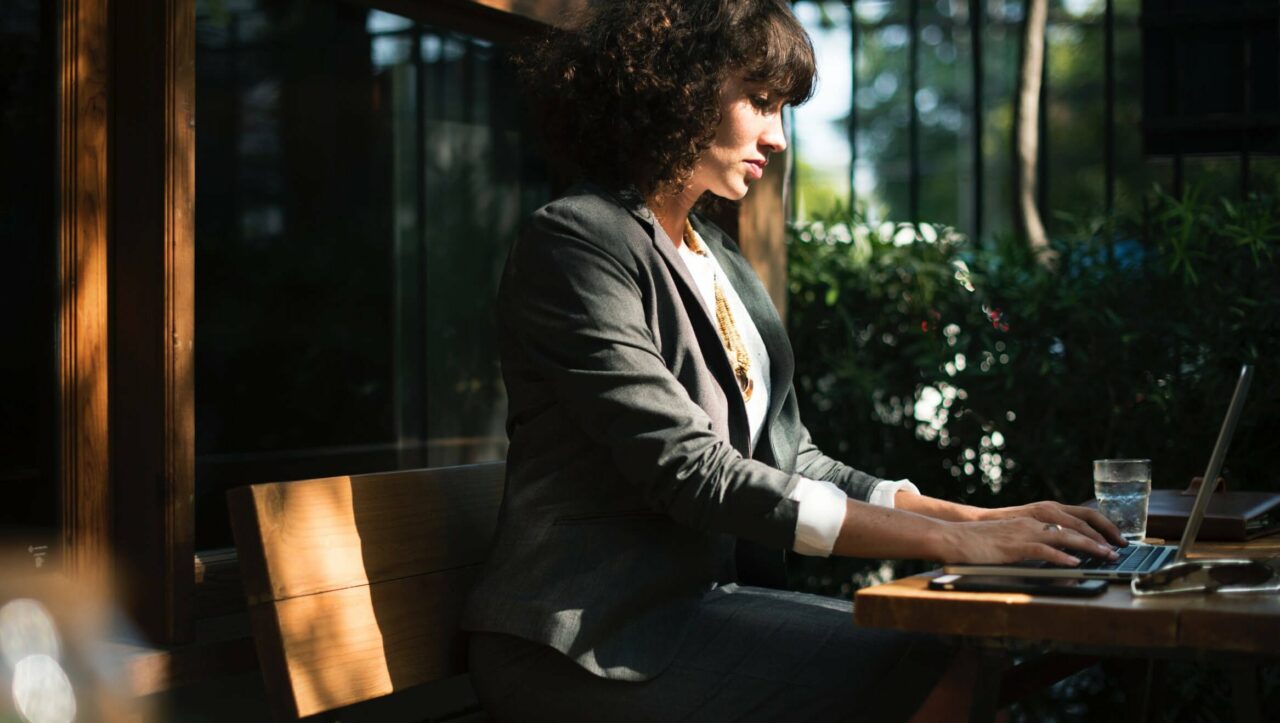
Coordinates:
(1086, 521)
(1014, 539)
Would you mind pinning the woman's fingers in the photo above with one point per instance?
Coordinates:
(1084, 528)
(1086, 521)
(1027, 538)
(1041, 551)
(1099, 522)
(1066, 537)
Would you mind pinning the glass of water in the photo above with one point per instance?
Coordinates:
(1123, 487)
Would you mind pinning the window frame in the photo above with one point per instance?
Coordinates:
(126, 242)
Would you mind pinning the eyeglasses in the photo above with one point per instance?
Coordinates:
(1224, 576)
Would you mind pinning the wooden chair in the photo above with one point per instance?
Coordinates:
(355, 584)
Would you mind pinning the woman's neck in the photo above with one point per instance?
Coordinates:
(672, 211)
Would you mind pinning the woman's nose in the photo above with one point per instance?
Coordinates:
(774, 138)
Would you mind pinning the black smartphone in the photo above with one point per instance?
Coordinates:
(1029, 585)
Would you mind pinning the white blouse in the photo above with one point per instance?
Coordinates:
(820, 504)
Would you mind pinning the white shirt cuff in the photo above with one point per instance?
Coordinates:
(884, 492)
(819, 516)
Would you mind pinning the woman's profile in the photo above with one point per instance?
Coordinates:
(655, 440)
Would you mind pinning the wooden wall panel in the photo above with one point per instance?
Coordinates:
(762, 230)
(153, 310)
(83, 119)
(504, 21)
(549, 12)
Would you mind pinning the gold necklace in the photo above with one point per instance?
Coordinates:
(739, 359)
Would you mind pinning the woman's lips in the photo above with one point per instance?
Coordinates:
(756, 169)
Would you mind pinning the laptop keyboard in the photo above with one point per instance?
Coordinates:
(1131, 558)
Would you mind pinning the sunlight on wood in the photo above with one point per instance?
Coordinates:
(341, 629)
(355, 584)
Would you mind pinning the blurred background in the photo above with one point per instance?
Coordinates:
(993, 270)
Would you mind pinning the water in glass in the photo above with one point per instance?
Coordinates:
(1123, 488)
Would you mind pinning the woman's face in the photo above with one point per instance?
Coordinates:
(750, 129)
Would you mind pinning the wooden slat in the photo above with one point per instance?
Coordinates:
(346, 646)
(83, 118)
(340, 532)
(355, 584)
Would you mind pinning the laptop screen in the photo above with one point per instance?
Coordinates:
(1215, 463)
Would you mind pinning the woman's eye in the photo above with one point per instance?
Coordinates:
(760, 101)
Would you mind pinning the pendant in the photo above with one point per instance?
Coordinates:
(744, 382)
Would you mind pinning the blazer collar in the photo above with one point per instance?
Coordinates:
(627, 197)
(753, 295)
(763, 313)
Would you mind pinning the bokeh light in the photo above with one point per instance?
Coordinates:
(42, 692)
(26, 629)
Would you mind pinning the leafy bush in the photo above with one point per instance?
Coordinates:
(988, 378)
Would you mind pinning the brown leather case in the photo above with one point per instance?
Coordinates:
(1232, 516)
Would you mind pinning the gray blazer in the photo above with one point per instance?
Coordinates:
(628, 482)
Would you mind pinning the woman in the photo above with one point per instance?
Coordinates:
(653, 424)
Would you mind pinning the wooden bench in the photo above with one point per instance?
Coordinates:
(355, 584)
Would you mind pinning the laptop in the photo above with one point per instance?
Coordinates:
(1137, 558)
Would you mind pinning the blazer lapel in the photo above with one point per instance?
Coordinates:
(763, 313)
(700, 317)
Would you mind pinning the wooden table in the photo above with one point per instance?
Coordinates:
(1237, 629)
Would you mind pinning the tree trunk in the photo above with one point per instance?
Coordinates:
(1026, 129)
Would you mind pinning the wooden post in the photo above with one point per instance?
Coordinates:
(153, 310)
(762, 230)
(84, 455)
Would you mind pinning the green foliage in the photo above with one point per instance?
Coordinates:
(987, 378)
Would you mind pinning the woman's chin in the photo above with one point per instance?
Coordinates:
(732, 191)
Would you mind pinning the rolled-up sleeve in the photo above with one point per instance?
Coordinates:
(821, 511)
(819, 517)
(884, 492)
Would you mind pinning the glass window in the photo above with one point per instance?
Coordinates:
(1000, 60)
(29, 510)
(359, 179)
(1073, 164)
(1134, 173)
(1075, 114)
(882, 177)
(944, 105)
(820, 140)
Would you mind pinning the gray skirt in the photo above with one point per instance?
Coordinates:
(752, 654)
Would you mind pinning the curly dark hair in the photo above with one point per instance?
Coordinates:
(630, 96)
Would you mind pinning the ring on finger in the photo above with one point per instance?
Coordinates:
(1050, 527)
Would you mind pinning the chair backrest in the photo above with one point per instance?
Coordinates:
(355, 584)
